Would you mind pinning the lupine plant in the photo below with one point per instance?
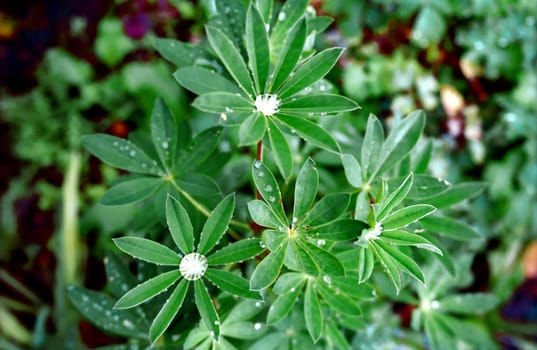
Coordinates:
(291, 233)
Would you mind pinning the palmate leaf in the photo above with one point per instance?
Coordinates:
(406, 216)
(131, 191)
(257, 47)
(395, 198)
(313, 313)
(288, 281)
(289, 14)
(147, 250)
(340, 230)
(201, 81)
(231, 283)
(252, 129)
(280, 149)
(304, 260)
(231, 58)
(268, 187)
(326, 210)
(338, 301)
(310, 132)
(206, 309)
(268, 270)
(222, 102)
(283, 305)
(306, 186)
(322, 104)
(120, 153)
(263, 215)
(326, 261)
(198, 150)
(168, 311)
(402, 260)
(179, 225)
(216, 224)
(400, 237)
(236, 252)
(148, 289)
(164, 133)
(309, 72)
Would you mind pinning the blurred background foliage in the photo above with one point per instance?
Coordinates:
(72, 67)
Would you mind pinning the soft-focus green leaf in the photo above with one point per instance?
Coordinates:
(231, 58)
(216, 224)
(310, 132)
(147, 250)
(236, 252)
(201, 81)
(131, 191)
(401, 140)
(243, 330)
(179, 53)
(406, 216)
(310, 71)
(306, 186)
(168, 311)
(449, 227)
(280, 149)
(313, 313)
(469, 304)
(395, 198)
(206, 309)
(222, 102)
(268, 188)
(120, 153)
(164, 132)
(180, 226)
(318, 104)
(353, 171)
(373, 140)
(288, 281)
(257, 47)
(328, 209)
(269, 268)
(231, 283)
(252, 129)
(147, 290)
(455, 194)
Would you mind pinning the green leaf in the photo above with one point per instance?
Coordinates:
(288, 282)
(306, 186)
(455, 194)
(119, 278)
(319, 24)
(179, 53)
(252, 129)
(291, 49)
(263, 215)
(353, 171)
(406, 216)
(340, 230)
(320, 104)
(231, 58)
(401, 140)
(257, 47)
(268, 188)
(363, 206)
(313, 313)
(373, 140)
(476, 334)
(425, 186)
(449, 227)
(131, 191)
(269, 268)
(280, 149)
(395, 198)
(304, 260)
(437, 334)
(243, 330)
(445, 259)
(168, 311)
(328, 209)
(231, 283)
(289, 14)
(216, 224)
(366, 264)
(389, 265)
(310, 132)
(310, 71)
(222, 102)
(201, 81)
(400, 237)
(164, 132)
(469, 304)
(282, 306)
(199, 149)
(180, 226)
(97, 307)
(339, 302)
(421, 158)
(326, 261)
(265, 8)
(120, 153)
(406, 263)
(147, 250)
(148, 289)
(206, 309)
(236, 252)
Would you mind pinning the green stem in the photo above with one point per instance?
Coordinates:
(19, 287)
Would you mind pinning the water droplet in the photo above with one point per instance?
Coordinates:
(260, 174)
(217, 322)
(272, 199)
(293, 289)
(258, 304)
(229, 110)
(258, 164)
(128, 324)
(321, 242)
(435, 304)
(262, 245)
(281, 16)
(268, 188)
(132, 153)
(164, 145)
(327, 279)
(294, 220)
